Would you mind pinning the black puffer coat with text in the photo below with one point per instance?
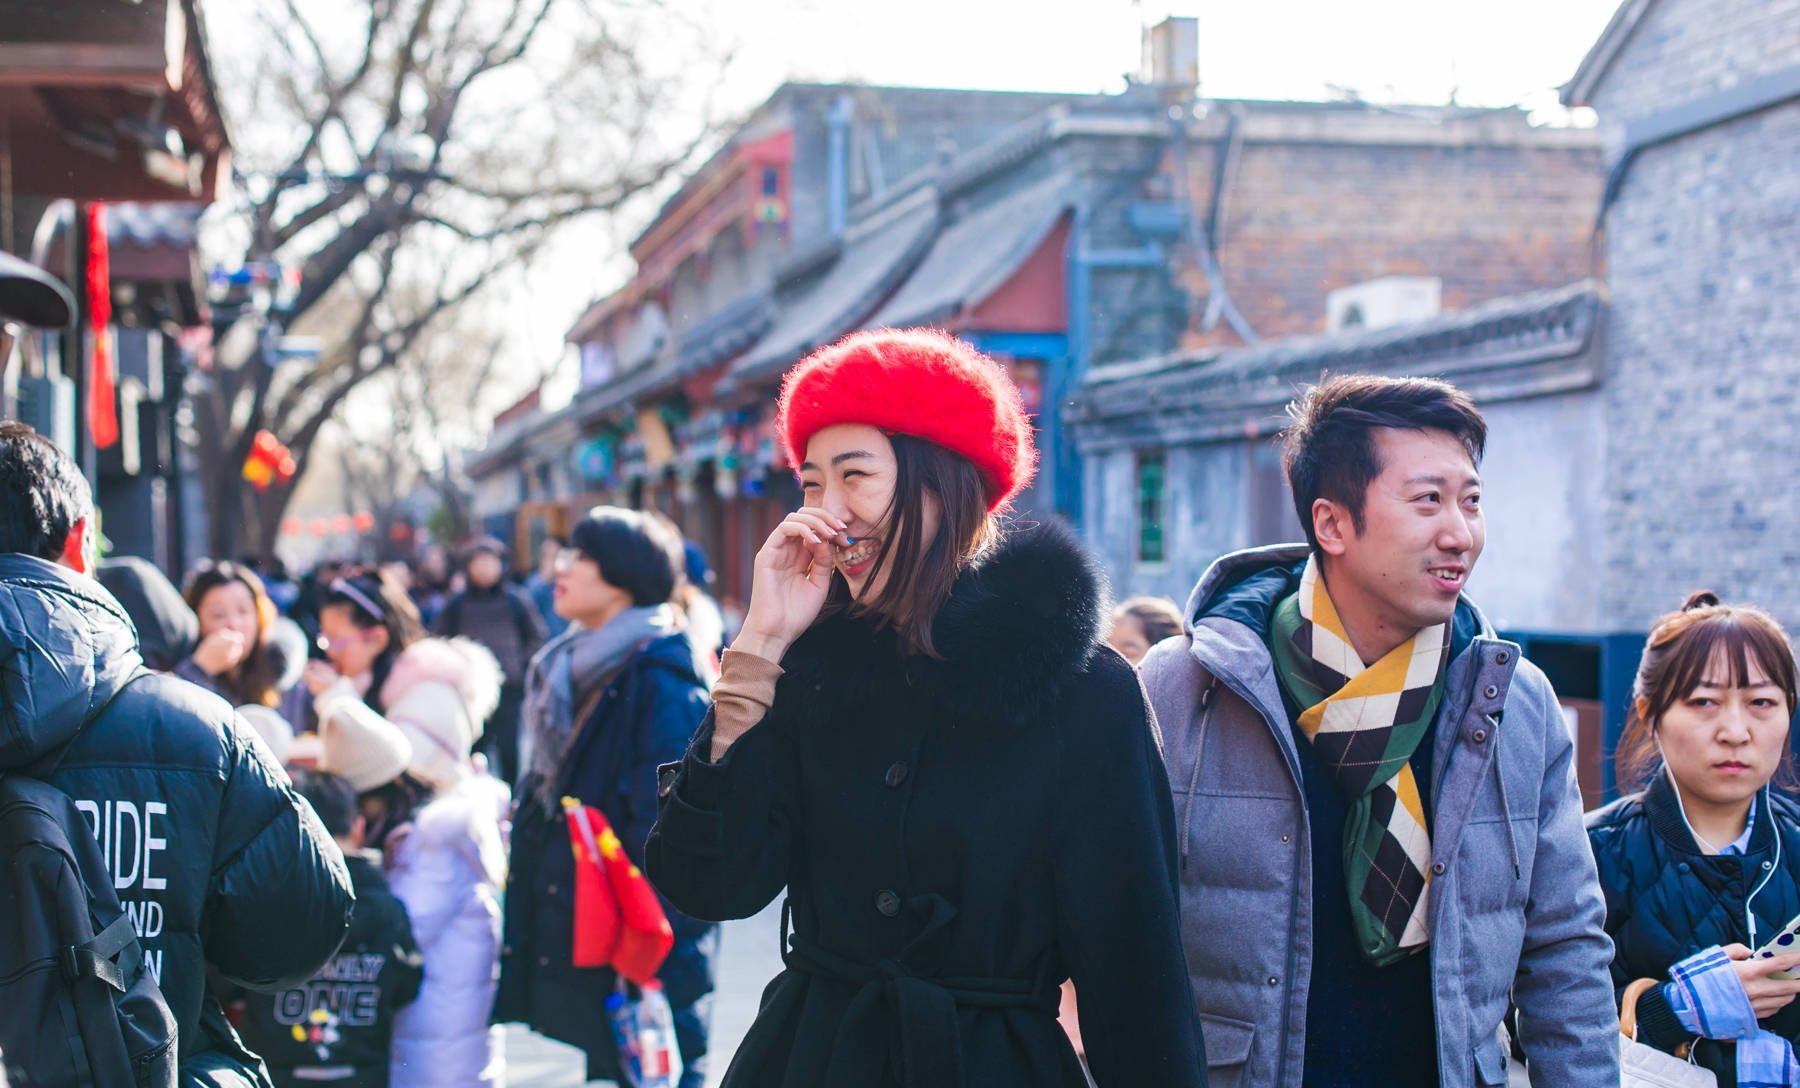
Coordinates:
(212, 853)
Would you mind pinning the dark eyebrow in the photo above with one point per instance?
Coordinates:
(1439, 481)
(847, 455)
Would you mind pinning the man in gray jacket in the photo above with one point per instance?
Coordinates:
(1381, 833)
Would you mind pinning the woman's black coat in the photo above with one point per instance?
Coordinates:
(957, 837)
(1666, 900)
(644, 717)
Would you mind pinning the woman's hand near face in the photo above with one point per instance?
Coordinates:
(220, 651)
(1767, 995)
(319, 675)
(792, 575)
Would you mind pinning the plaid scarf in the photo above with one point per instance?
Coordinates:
(1365, 721)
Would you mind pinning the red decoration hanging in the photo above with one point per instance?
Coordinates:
(102, 403)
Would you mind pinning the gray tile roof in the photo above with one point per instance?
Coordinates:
(878, 254)
(974, 256)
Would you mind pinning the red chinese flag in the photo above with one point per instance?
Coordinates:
(645, 936)
(596, 911)
(102, 403)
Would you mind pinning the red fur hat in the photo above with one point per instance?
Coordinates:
(917, 382)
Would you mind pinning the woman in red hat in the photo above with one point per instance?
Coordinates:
(919, 734)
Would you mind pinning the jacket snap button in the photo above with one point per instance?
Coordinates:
(1437, 868)
(1767, 865)
(1284, 837)
(887, 903)
(1682, 868)
(1502, 657)
(895, 775)
(1273, 981)
(1490, 691)
(1479, 736)
(550, 889)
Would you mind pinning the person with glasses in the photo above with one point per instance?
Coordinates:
(385, 693)
(617, 694)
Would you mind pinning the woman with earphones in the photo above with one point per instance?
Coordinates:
(1702, 867)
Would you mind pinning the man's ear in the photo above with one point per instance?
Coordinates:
(77, 553)
(1332, 526)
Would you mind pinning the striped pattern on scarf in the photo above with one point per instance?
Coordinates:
(1365, 721)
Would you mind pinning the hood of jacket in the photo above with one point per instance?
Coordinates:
(66, 648)
(167, 629)
(461, 663)
(1246, 586)
(1019, 622)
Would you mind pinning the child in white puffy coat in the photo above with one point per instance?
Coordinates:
(399, 715)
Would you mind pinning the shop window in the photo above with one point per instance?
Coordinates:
(1151, 474)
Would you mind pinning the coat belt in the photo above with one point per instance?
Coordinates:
(911, 1019)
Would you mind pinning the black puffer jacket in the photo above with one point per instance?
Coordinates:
(1666, 900)
(210, 848)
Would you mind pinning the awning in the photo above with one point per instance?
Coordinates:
(877, 254)
(978, 253)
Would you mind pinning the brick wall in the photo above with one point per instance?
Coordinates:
(1703, 367)
(1302, 219)
(1683, 49)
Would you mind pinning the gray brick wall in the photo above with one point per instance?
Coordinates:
(1704, 370)
(1703, 249)
(1683, 49)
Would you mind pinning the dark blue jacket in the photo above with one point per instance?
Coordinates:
(644, 718)
(1666, 900)
(212, 853)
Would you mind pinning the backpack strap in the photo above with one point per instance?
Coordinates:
(93, 958)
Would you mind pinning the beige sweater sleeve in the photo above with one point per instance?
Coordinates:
(742, 696)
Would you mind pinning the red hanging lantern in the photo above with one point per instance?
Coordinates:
(364, 521)
(292, 526)
(342, 523)
(320, 527)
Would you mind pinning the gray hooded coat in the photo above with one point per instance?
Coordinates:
(1516, 911)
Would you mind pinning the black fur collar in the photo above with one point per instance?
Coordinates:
(1018, 624)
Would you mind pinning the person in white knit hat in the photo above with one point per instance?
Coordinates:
(435, 815)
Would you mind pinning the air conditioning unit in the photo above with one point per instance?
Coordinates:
(1171, 56)
(1390, 300)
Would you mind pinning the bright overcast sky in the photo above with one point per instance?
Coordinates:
(1389, 50)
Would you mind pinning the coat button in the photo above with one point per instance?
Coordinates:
(1273, 981)
(895, 774)
(1437, 868)
(550, 890)
(887, 903)
(1490, 691)
(1682, 868)
(1479, 736)
(1502, 657)
(1284, 837)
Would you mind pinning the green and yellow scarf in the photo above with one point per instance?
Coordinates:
(1365, 721)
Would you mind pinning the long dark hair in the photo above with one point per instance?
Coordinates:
(394, 610)
(1681, 647)
(256, 678)
(922, 572)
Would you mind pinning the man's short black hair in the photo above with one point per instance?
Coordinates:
(1328, 447)
(635, 552)
(333, 798)
(42, 493)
